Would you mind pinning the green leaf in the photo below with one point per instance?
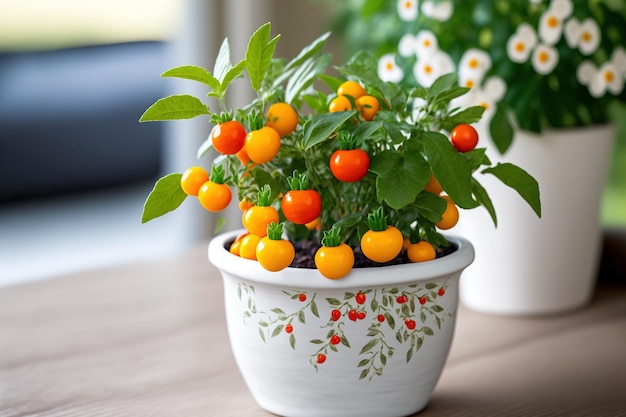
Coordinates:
(449, 167)
(483, 198)
(446, 96)
(308, 51)
(222, 62)
(321, 126)
(468, 116)
(385, 162)
(195, 73)
(304, 76)
(402, 180)
(441, 85)
(521, 181)
(232, 74)
(500, 129)
(259, 55)
(174, 107)
(204, 147)
(166, 196)
(430, 206)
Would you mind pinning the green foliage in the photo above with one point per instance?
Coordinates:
(164, 197)
(406, 143)
(535, 97)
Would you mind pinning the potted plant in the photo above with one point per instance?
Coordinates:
(340, 292)
(550, 75)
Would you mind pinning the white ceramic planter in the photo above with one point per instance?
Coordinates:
(389, 351)
(532, 266)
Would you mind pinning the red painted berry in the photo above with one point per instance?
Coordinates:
(335, 339)
(381, 318)
(410, 324)
(335, 315)
(321, 358)
(441, 291)
(289, 328)
(402, 299)
(302, 297)
(352, 315)
(360, 315)
(422, 300)
(360, 298)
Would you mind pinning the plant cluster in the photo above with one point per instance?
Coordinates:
(340, 158)
(531, 63)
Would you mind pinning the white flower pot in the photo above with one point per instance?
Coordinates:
(279, 324)
(531, 266)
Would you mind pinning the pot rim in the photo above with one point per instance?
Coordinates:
(358, 277)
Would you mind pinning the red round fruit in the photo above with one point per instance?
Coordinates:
(302, 297)
(301, 206)
(422, 300)
(335, 315)
(410, 324)
(349, 165)
(289, 328)
(441, 291)
(360, 315)
(464, 138)
(228, 138)
(321, 358)
(381, 318)
(335, 339)
(402, 299)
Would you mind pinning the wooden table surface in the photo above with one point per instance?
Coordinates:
(150, 339)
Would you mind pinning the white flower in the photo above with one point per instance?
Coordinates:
(572, 32)
(388, 70)
(441, 10)
(562, 8)
(466, 80)
(495, 88)
(607, 78)
(521, 43)
(544, 59)
(427, 70)
(618, 58)
(550, 27)
(585, 72)
(407, 45)
(474, 64)
(407, 10)
(585, 36)
(425, 43)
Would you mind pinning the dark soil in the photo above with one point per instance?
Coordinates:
(305, 255)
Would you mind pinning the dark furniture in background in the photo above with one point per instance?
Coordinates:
(69, 118)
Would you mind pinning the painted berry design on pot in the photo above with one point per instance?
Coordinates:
(394, 318)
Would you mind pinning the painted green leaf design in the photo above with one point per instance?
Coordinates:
(166, 196)
(174, 107)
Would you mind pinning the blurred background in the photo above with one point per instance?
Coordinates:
(76, 166)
